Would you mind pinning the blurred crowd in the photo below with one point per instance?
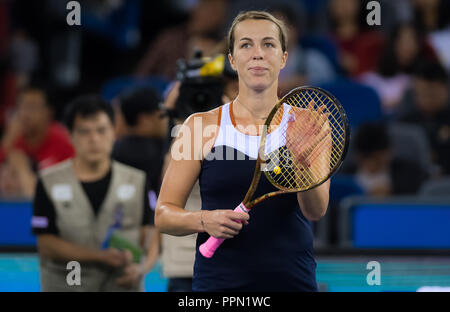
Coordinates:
(392, 78)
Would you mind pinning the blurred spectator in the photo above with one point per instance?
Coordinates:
(146, 128)
(431, 15)
(32, 131)
(440, 41)
(391, 13)
(7, 92)
(120, 125)
(9, 182)
(359, 48)
(304, 66)
(7, 79)
(33, 28)
(377, 172)
(402, 9)
(84, 205)
(404, 49)
(24, 58)
(115, 20)
(431, 110)
(32, 141)
(203, 29)
(17, 177)
(4, 26)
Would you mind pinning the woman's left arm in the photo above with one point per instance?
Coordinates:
(314, 203)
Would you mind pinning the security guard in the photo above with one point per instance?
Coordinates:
(81, 204)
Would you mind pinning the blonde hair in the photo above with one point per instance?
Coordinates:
(257, 15)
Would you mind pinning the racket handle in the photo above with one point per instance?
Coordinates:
(208, 248)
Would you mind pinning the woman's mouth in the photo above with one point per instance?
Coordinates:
(258, 70)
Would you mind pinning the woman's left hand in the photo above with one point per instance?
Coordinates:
(308, 137)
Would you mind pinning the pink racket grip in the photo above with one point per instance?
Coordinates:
(208, 248)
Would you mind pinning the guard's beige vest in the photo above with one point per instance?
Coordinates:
(78, 224)
(178, 252)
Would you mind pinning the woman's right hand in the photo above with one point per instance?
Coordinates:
(223, 223)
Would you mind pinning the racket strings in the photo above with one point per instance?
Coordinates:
(336, 121)
(310, 153)
(336, 124)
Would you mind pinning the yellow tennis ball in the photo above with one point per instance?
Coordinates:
(277, 170)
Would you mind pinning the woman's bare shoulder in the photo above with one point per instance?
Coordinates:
(203, 126)
(204, 119)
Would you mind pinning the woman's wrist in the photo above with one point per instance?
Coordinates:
(202, 222)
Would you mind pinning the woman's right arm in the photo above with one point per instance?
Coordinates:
(179, 179)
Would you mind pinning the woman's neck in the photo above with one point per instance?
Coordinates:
(255, 104)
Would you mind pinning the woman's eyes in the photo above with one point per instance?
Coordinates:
(266, 44)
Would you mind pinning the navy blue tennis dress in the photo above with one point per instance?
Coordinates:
(275, 251)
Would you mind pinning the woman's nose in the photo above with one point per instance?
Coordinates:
(257, 53)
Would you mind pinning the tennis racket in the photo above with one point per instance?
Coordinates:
(304, 141)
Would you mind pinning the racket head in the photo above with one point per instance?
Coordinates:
(280, 166)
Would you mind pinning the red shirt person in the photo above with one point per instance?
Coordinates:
(32, 133)
(358, 46)
(54, 147)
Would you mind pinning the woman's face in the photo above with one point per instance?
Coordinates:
(257, 56)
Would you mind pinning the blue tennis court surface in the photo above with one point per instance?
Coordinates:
(396, 274)
(20, 272)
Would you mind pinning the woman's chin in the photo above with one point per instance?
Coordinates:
(259, 86)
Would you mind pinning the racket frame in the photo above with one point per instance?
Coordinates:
(257, 174)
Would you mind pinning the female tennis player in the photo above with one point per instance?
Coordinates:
(271, 248)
